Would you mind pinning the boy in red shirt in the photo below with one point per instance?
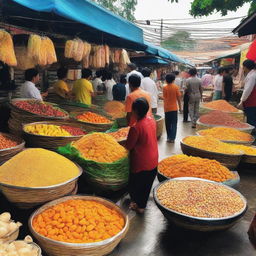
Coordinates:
(142, 143)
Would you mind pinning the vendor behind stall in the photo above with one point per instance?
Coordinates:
(82, 89)
(142, 143)
(28, 89)
(61, 87)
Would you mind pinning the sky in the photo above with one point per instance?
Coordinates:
(162, 9)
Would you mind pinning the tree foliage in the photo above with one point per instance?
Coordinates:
(124, 8)
(207, 7)
(179, 41)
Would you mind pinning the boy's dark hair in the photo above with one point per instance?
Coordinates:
(146, 72)
(109, 76)
(220, 70)
(134, 81)
(86, 73)
(176, 73)
(98, 73)
(62, 73)
(249, 64)
(170, 78)
(192, 71)
(30, 74)
(141, 107)
(123, 79)
(132, 66)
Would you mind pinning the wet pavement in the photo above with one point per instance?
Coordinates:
(152, 235)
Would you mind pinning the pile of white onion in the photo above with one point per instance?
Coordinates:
(7, 226)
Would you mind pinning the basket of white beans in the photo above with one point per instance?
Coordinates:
(9, 230)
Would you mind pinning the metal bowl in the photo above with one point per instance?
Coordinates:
(198, 223)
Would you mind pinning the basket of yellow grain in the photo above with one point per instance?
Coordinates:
(51, 135)
(115, 109)
(95, 226)
(197, 204)
(92, 121)
(223, 106)
(228, 135)
(10, 145)
(249, 153)
(35, 176)
(211, 148)
(177, 166)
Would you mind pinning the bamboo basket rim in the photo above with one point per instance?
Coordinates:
(234, 172)
(47, 136)
(81, 197)
(212, 152)
(250, 127)
(201, 218)
(18, 139)
(228, 112)
(232, 141)
(46, 187)
(47, 103)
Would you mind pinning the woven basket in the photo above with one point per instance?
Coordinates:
(246, 143)
(49, 142)
(230, 161)
(202, 126)
(10, 237)
(237, 115)
(231, 183)
(26, 198)
(56, 248)
(249, 159)
(7, 153)
(197, 223)
(159, 125)
(20, 117)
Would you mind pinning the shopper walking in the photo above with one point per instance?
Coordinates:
(148, 85)
(133, 71)
(171, 97)
(194, 90)
(82, 89)
(142, 143)
(97, 82)
(109, 83)
(248, 99)
(119, 90)
(218, 85)
(227, 85)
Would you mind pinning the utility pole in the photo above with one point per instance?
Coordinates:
(161, 32)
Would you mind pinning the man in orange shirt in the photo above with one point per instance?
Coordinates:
(136, 92)
(171, 97)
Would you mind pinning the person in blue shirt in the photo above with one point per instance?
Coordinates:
(119, 90)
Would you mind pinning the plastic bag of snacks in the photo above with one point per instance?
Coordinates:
(105, 162)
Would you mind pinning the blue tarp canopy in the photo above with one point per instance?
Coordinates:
(163, 53)
(81, 18)
(149, 60)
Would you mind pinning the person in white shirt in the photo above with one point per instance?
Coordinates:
(178, 79)
(148, 85)
(248, 99)
(28, 90)
(218, 84)
(97, 82)
(109, 83)
(133, 71)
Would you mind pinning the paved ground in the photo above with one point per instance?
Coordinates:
(153, 235)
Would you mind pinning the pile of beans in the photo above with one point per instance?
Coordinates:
(6, 142)
(199, 198)
(222, 105)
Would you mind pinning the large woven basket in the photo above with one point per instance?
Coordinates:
(159, 125)
(202, 126)
(249, 159)
(197, 223)
(7, 153)
(237, 115)
(26, 197)
(49, 142)
(230, 161)
(20, 117)
(56, 248)
(246, 143)
(231, 183)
